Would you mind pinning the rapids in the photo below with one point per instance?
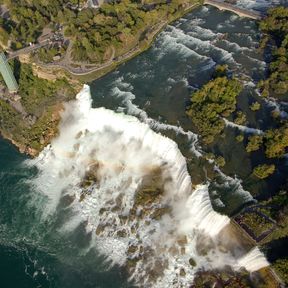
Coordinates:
(111, 197)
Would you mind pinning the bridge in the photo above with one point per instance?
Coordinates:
(221, 5)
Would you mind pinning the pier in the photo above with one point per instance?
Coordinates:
(221, 5)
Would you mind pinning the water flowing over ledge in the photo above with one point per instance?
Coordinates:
(131, 188)
(254, 260)
(243, 128)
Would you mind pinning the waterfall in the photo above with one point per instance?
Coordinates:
(201, 215)
(243, 128)
(254, 260)
(131, 188)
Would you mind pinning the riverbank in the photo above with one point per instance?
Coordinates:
(30, 118)
(142, 46)
(156, 84)
(48, 75)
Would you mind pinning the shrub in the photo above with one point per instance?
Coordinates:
(215, 100)
(240, 138)
(263, 171)
(254, 143)
(255, 106)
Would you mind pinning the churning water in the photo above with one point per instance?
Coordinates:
(110, 202)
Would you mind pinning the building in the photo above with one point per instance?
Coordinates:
(7, 74)
(95, 3)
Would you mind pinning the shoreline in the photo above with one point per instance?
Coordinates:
(103, 72)
(90, 76)
(98, 72)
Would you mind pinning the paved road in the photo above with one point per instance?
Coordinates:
(29, 49)
(65, 63)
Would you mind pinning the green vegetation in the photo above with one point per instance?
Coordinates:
(36, 93)
(220, 71)
(116, 27)
(27, 136)
(275, 29)
(276, 141)
(256, 223)
(4, 36)
(28, 18)
(263, 171)
(47, 55)
(220, 161)
(277, 209)
(269, 220)
(97, 34)
(255, 106)
(41, 100)
(215, 100)
(254, 143)
(281, 267)
(240, 138)
(240, 118)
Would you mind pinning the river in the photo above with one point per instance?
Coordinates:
(45, 241)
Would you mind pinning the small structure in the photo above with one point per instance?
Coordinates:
(7, 74)
(95, 3)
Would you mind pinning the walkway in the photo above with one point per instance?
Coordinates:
(220, 4)
(82, 70)
(28, 49)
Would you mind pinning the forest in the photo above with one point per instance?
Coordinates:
(275, 40)
(215, 100)
(97, 34)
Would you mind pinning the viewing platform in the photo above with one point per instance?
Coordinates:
(7, 74)
(221, 5)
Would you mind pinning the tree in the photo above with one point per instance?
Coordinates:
(254, 143)
(240, 138)
(215, 100)
(275, 30)
(240, 118)
(255, 106)
(281, 267)
(263, 171)
(276, 141)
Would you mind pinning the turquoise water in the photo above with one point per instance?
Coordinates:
(35, 251)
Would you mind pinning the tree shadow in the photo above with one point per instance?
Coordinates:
(17, 69)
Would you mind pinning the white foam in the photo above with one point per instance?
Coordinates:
(122, 151)
(243, 128)
(198, 207)
(202, 47)
(132, 109)
(234, 185)
(169, 43)
(277, 106)
(235, 46)
(254, 260)
(204, 33)
(257, 4)
(262, 64)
